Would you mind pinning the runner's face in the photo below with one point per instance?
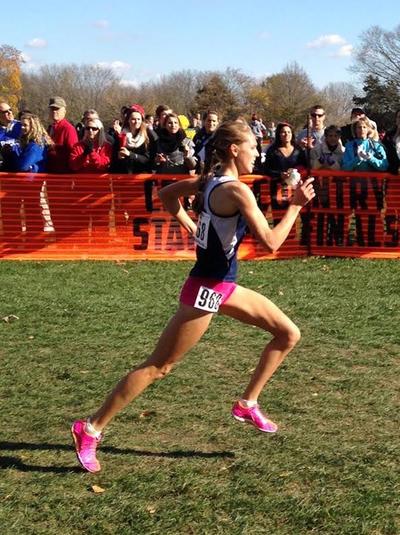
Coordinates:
(247, 154)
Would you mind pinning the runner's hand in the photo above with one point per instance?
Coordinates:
(304, 193)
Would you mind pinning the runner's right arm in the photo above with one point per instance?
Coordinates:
(170, 198)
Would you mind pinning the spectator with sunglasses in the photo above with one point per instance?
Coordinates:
(10, 131)
(315, 131)
(93, 153)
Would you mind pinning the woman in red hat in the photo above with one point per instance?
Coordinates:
(137, 144)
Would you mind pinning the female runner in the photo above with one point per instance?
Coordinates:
(227, 207)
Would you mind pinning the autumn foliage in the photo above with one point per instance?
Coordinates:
(10, 74)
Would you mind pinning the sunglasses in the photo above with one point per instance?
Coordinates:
(317, 114)
(94, 128)
(6, 111)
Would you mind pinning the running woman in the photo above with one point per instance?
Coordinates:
(226, 207)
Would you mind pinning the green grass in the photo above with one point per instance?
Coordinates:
(188, 467)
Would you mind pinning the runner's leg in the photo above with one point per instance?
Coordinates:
(183, 331)
(252, 308)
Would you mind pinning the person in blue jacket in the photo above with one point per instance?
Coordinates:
(364, 152)
(28, 156)
(31, 155)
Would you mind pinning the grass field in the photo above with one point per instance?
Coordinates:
(175, 462)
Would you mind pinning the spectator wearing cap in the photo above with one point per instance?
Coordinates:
(391, 142)
(10, 131)
(64, 136)
(137, 144)
(347, 130)
(93, 153)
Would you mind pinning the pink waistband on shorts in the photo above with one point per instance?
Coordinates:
(192, 285)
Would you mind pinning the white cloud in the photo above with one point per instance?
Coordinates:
(26, 58)
(129, 83)
(345, 50)
(37, 42)
(327, 40)
(28, 64)
(264, 35)
(101, 23)
(117, 65)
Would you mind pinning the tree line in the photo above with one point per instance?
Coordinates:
(286, 95)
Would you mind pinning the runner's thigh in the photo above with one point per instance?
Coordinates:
(253, 308)
(183, 331)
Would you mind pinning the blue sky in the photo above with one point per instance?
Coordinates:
(144, 40)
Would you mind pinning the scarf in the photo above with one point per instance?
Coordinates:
(170, 142)
(133, 142)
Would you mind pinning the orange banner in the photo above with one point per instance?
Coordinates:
(105, 217)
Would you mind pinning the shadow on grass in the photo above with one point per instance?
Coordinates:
(16, 463)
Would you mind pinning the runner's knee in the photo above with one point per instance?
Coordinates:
(159, 371)
(291, 335)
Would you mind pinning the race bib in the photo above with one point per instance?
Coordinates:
(208, 299)
(203, 225)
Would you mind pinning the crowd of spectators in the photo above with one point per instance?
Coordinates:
(170, 143)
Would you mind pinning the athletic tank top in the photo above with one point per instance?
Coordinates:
(217, 238)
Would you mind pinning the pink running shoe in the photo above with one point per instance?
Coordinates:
(85, 446)
(253, 416)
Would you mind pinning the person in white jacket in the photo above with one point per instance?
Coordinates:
(329, 153)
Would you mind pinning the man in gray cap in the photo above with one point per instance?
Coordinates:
(64, 135)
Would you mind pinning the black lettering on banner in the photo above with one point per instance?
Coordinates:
(392, 229)
(148, 194)
(139, 233)
(150, 190)
(358, 196)
(306, 227)
(321, 186)
(158, 224)
(174, 237)
(372, 231)
(359, 231)
(378, 187)
(339, 182)
(335, 229)
(320, 228)
(261, 189)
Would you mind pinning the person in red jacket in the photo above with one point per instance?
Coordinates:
(93, 153)
(64, 136)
